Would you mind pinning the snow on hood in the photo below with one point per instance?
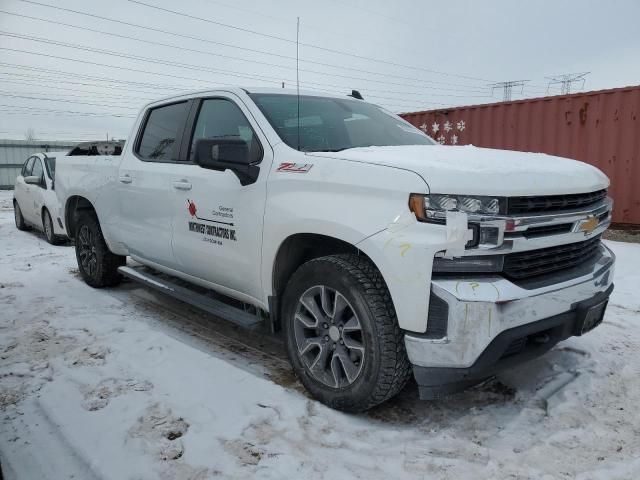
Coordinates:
(483, 171)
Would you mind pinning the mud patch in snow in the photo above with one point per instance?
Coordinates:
(98, 397)
(91, 355)
(160, 431)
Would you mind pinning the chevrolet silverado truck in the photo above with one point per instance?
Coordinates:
(378, 253)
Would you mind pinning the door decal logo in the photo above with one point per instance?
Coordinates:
(211, 233)
(294, 167)
(192, 208)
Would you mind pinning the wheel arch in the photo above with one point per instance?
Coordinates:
(294, 251)
(73, 205)
(299, 248)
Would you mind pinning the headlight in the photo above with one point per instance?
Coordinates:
(433, 208)
(480, 264)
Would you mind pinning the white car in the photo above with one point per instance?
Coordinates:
(35, 203)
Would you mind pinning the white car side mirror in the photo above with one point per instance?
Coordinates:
(33, 180)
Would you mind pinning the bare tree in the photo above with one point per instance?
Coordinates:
(30, 134)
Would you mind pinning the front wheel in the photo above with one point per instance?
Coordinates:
(342, 335)
(17, 214)
(47, 227)
(97, 264)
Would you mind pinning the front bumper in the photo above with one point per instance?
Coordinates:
(487, 314)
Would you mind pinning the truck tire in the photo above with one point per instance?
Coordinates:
(341, 332)
(47, 228)
(17, 214)
(97, 264)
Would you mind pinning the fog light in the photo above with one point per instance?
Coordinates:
(489, 235)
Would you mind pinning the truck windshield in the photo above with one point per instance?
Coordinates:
(334, 124)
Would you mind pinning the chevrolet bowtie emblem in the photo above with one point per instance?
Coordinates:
(589, 224)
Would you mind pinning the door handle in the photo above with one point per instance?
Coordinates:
(182, 185)
(126, 178)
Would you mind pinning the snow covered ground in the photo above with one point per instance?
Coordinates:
(122, 383)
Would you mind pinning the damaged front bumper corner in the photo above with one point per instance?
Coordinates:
(493, 323)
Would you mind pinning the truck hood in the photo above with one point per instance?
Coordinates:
(483, 171)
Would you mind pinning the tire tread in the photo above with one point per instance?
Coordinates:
(395, 369)
(108, 261)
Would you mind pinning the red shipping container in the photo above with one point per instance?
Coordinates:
(601, 128)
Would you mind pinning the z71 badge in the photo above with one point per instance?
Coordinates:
(294, 167)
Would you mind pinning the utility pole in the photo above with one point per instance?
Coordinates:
(507, 88)
(566, 80)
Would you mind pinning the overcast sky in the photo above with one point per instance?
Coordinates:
(406, 54)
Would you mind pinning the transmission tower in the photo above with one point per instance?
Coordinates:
(566, 80)
(507, 88)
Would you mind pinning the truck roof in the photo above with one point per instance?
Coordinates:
(250, 90)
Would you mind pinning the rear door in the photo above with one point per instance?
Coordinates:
(218, 223)
(146, 190)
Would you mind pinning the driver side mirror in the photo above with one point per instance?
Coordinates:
(226, 154)
(33, 180)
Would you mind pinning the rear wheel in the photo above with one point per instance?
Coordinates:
(17, 213)
(47, 227)
(342, 336)
(97, 264)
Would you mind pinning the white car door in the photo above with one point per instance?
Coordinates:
(22, 190)
(217, 227)
(146, 192)
(38, 192)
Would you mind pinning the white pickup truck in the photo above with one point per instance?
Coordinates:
(377, 252)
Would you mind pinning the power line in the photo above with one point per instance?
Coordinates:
(3, 94)
(232, 73)
(566, 80)
(310, 45)
(33, 83)
(90, 114)
(470, 88)
(74, 75)
(325, 29)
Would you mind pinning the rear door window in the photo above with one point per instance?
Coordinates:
(162, 128)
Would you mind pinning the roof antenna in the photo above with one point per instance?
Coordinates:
(298, 76)
(356, 94)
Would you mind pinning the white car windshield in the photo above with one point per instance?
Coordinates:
(332, 124)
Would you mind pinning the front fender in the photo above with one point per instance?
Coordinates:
(348, 201)
(404, 253)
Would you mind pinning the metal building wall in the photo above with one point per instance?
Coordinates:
(13, 153)
(601, 128)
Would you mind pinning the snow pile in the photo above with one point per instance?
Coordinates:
(104, 384)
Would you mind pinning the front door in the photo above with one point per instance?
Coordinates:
(22, 191)
(217, 228)
(36, 194)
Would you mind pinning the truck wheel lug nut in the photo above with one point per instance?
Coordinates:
(326, 338)
(341, 342)
(324, 325)
(334, 346)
